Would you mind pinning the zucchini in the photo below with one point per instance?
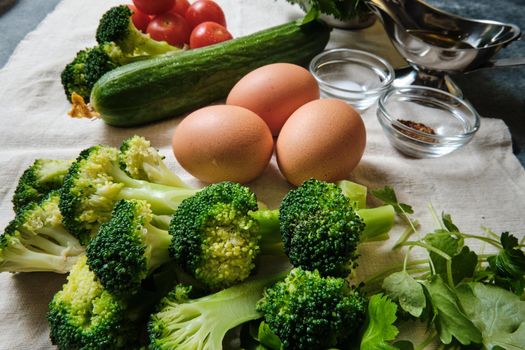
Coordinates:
(167, 86)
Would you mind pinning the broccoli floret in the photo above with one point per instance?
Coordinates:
(42, 177)
(321, 230)
(308, 311)
(89, 65)
(116, 26)
(215, 238)
(36, 240)
(141, 161)
(127, 248)
(85, 316)
(95, 183)
(198, 324)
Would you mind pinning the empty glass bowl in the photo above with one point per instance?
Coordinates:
(355, 76)
(424, 122)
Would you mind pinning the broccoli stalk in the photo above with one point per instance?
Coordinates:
(214, 237)
(42, 177)
(116, 26)
(196, 324)
(128, 248)
(36, 240)
(321, 230)
(143, 162)
(308, 311)
(95, 183)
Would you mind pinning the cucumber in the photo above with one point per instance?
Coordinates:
(167, 86)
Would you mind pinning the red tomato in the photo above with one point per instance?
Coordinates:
(140, 20)
(171, 28)
(204, 11)
(208, 33)
(180, 7)
(153, 7)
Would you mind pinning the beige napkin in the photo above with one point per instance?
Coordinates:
(481, 184)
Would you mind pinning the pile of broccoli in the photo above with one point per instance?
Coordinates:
(117, 219)
(119, 43)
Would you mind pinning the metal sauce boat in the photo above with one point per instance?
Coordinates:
(436, 43)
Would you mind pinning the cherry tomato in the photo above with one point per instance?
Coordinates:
(204, 11)
(180, 7)
(140, 20)
(153, 7)
(208, 33)
(171, 28)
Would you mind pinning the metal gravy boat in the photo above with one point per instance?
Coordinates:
(436, 43)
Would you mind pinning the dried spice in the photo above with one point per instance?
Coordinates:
(419, 127)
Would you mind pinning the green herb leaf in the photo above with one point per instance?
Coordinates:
(499, 314)
(312, 14)
(404, 289)
(449, 319)
(508, 266)
(380, 329)
(388, 195)
(447, 221)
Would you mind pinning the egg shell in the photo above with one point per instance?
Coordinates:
(274, 92)
(223, 143)
(324, 139)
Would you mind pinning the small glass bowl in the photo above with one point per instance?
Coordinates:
(423, 122)
(355, 76)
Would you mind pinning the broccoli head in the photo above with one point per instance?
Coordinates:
(116, 26)
(42, 177)
(89, 65)
(141, 161)
(127, 248)
(85, 316)
(321, 230)
(308, 311)
(215, 238)
(95, 183)
(36, 240)
(199, 324)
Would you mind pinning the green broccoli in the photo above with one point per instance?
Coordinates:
(308, 311)
(95, 183)
(143, 162)
(116, 26)
(36, 240)
(85, 316)
(42, 177)
(199, 324)
(321, 230)
(89, 65)
(127, 248)
(215, 237)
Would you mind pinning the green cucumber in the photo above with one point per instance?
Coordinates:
(168, 86)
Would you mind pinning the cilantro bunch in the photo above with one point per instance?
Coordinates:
(466, 299)
(339, 9)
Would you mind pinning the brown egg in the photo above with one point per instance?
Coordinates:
(274, 92)
(219, 143)
(324, 139)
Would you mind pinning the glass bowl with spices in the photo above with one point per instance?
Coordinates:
(423, 122)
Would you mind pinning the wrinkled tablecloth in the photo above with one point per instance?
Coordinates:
(482, 184)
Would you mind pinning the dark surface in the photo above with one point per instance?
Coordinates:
(495, 93)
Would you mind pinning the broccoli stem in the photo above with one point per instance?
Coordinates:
(157, 242)
(163, 199)
(378, 222)
(144, 44)
(22, 259)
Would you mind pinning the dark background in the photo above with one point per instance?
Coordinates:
(495, 93)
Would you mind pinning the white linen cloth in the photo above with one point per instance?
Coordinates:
(482, 184)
